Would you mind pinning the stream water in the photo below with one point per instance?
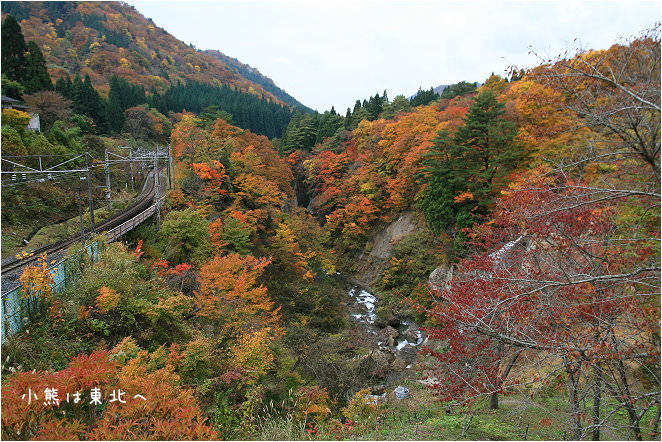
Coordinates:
(399, 338)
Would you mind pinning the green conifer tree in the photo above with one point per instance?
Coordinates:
(13, 50)
(12, 88)
(36, 78)
(63, 87)
(348, 119)
(357, 106)
(475, 162)
(87, 101)
(114, 109)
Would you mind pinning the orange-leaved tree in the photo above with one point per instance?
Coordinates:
(93, 398)
(230, 295)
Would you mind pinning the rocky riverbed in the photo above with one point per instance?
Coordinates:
(393, 344)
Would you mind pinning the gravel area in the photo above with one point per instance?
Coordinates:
(10, 280)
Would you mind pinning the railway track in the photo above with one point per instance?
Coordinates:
(145, 199)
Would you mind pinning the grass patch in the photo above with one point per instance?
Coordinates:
(423, 417)
(12, 238)
(12, 245)
(282, 428)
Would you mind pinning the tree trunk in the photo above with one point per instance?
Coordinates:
(656, 424)
(494, 401)
(596, 402)
(627, 396)
(573, 378)
(597, 392)
(494, 397)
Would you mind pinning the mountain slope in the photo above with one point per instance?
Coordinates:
(256, 76)
(102, 39)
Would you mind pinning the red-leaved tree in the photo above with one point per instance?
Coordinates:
(567, 271)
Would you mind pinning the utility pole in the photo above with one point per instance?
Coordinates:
(80, 215)
(169, 163)
(106, 169)
(89, 192)
(131, 166)
(173, 168)
(156, 188)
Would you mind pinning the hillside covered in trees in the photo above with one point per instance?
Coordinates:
(102, 39)
(505, 236)
(101, 43)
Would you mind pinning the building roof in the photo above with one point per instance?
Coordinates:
(11, 100)
(12, 103)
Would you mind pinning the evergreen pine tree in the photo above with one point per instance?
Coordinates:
(88, 102)
(12, 88)
(423, 97)
(249, 112)
(374, 107)
(36, 78)
(360, 115)
(77, 97)
(114, 109)
(487, 142)
(348, 119)
(13, 50)
(476, 160)
(63, 86)
(328, 125)
(357, 106)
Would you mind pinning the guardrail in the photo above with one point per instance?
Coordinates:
(64, 272)
(126, 226)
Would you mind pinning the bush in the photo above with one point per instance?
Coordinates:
(361, 410)
(12, 143)
(16, 119)
(185, 237)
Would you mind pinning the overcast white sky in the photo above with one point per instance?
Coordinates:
(331, 53)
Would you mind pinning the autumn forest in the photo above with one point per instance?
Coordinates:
(477, 263)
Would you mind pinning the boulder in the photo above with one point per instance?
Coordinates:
(385, 317)
(412, 334)
(376, 364)
(399, 364)
(381, 358)
(388, 335)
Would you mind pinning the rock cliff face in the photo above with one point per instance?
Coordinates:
(374, 259)
(384, 241)
(376, 256)
(440, 276)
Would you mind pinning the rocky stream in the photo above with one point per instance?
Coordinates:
(393, 344)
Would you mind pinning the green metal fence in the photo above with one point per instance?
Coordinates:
(14, 311)
(65, 272)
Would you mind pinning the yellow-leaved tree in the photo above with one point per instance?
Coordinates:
(37, 285)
